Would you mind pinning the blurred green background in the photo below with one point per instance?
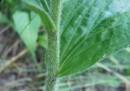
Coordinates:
(18, 71)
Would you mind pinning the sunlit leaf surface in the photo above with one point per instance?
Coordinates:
(27, 29)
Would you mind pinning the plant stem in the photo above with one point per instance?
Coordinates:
(52, 56)
(52, 62)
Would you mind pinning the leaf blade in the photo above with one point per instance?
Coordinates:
(28, 30)
(89, 26)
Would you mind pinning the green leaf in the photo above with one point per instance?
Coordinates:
(90, 30)
(27, 29)
(41, 11)
(43, 40)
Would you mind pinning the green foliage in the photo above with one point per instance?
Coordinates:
(46, 19)
(28, 30)
(90, 30)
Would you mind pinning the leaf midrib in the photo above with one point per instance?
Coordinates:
(28, 24)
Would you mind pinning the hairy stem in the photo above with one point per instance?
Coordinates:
(52, 62)
(52, 56)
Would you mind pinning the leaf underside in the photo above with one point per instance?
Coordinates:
(91, 29)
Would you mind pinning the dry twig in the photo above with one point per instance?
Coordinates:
(8, 62)
(115, 73)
